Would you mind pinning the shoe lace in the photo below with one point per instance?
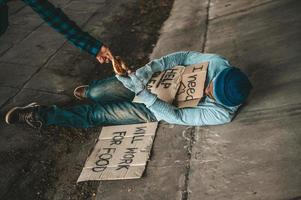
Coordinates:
(29, 118)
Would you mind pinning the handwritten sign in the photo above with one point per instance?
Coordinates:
(121, 152)
(181, 86)
(192, 84)
(165, 84)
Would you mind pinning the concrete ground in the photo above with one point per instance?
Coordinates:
(256, 157)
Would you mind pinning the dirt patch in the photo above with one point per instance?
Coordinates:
(134, 36)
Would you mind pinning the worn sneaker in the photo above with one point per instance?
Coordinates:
(24, 115)
(79, 92)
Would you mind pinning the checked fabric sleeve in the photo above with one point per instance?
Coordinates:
(61, 23)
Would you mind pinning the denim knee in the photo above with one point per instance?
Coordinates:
(94, 93)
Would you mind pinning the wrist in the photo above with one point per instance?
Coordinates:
(146, 97)
(104, 54)
(140, 91)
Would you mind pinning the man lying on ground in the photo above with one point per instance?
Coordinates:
(226, 89)
(55, 18)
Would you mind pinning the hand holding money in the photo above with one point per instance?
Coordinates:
(105, 56)
(120, 68)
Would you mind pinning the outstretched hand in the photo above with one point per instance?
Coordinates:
(132, 82)
(104, 55)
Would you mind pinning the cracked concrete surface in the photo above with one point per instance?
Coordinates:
(255, 157)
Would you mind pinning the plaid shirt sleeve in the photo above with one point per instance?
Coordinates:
(62, 24)
(3, 2)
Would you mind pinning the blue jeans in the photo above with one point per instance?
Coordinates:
(112, 105)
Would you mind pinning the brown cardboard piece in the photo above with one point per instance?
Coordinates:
(181, 86)
(165, 84)
(191, 88)
(121, 152)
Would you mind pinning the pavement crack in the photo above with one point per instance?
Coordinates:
(45, 91)
(206, 26)
(24, 38)
(24, 84)
(43, 65)
(190, 140)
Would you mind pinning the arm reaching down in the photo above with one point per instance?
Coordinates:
(56, 18)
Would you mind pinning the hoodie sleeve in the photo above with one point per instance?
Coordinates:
(182, 58)
(210, 114)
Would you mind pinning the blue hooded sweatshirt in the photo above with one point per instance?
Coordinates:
(207, 112)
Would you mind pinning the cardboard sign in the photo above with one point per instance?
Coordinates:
(191, 88)
(165, 84)
(181, 86)
(121, 152)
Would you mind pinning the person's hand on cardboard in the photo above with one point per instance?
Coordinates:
(104, 55)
